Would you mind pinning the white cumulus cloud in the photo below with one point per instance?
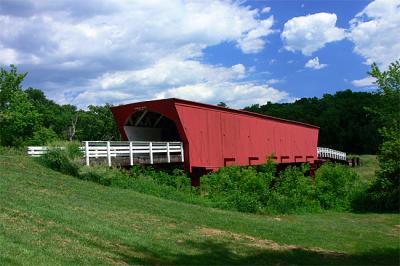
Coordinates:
(168, 72)
(233, 94)
(187, 79)
(365, 82)
(266, 9)
(315, 64)
(253, 42)
(375, 32)
(310, 33)
(101, 51)
(275, 81)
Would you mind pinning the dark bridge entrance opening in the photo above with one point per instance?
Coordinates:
(145, 125)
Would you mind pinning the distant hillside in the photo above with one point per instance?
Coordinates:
(50, 218)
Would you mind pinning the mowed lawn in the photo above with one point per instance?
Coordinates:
(50, 218)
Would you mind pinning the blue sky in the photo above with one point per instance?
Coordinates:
(343, 64)
(239, 52)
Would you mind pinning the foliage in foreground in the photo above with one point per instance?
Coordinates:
(254, 189)
(259, 189)
(47, 218)
(384, 194)
(336, 186)
(65, 159)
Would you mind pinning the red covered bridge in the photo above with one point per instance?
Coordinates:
(215, 136)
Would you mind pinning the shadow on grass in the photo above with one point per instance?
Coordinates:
(7, 261)
(210, 252)
(366, 203)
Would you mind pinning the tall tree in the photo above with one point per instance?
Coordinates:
(18, 120)
(385, 192)
(10, 82)
(97, 123)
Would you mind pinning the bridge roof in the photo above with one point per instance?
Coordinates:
(220, 108)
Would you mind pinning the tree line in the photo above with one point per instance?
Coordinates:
(27, 117)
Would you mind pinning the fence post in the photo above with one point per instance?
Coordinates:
(182, 154)
(87, 152)
(130, 153)
(151, 152)
(168, 154)
(108, 154)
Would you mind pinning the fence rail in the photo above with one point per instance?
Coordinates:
(327, 153)
(123, 149)
(170, 151)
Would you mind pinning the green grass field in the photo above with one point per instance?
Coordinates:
(50, 218)
(369, 164)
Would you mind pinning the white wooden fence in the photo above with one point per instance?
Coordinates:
(331, 154)
(113, 149)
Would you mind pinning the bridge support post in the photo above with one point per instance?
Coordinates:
(182, 153)
(87, 152)
(108, 154)
(168, 154)
(151, 152)
(130, 153)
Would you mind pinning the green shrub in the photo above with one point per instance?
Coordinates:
(259, 189)
(12, 151)
(292, 192)
(57, 159)
(72, 148)
(107, 176)
(244, 202)
(252, 189)
(336, 186)
(239, 188)
(177, 179)
(146, 180)
(42, 136)
(63, 157)
(269, 167)
(384, 193)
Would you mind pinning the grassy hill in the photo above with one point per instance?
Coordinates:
(50, 218)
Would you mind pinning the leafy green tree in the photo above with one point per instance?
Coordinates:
(385, 192)
(42, 136)
(60, 118)
(97, 123)
(18, 121)
(27, 117)
(10, 82)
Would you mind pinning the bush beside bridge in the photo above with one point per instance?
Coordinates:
(255, 189)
